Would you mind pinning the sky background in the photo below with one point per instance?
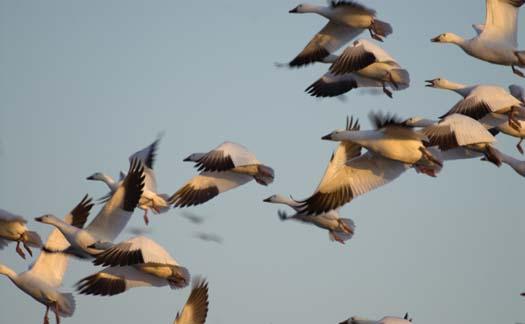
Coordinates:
(83, 84)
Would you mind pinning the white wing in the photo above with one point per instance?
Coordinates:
(137, 250)
(501, 21)
(225, 157)
(195, 310)
(116, 280)
(117, 211)
(357, 57)
(205, 186)
(10, 217)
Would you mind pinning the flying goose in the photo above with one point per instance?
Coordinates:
(137, 262)
(480, 100)
(350, 174)
(457, 130)
(347, 19)
(339, 229)
(195, 310)
(500, 123)
(515, 164)
(109, 222)
(208, 237)
(228, 166)
(45, 275)
(497, 39)
(384, 320)
(362, 65)
(13, 228)
(150, 199)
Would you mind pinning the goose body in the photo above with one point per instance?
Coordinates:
(226, 167)
(481, 100)
(13, 228)
(109, 222)
(455, 131)
(137, 262)
(361, 65)
(496, 41)
(347, 19)
(339, 229)
(44, 277)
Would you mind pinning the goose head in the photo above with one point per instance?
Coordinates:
(276, 199)
(438, 83)
(336, 135)
(47, 219)
(193, 157)
(303, 8)
(447, 38)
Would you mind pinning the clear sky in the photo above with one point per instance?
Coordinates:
(83, 84)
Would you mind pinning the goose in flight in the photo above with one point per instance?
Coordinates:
(228, 166)
(109, 222)
(137, 262)
(364, 64)
(455, 131)
(497, 39)
(499, 123)
(384, 320)
(339, 229)
(208, 237)
(346, 20)
(350, 174)
(150, 199)
(515, 164)
(480, 100)
(45, 275)
(195, 310)
(13, 228)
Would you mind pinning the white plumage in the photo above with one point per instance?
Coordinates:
(13, 228)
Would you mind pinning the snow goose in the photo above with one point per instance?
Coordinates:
(457, 130)
(347, 19)
(208, 237)
(384, 320)
(339, 229)
(195, 310)
(499, 123)
(497, 39)
(228, 166)
(362, 65)
(13, 228)
(517, 165)
(150, 199)
(45, 275)
(392, 139)
(350, 174)
(480, 100)
(137, 262)
(109, 222)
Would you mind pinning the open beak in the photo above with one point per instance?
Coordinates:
(430, 83)
(435, 39)
(39, 219)
(294, 10)
(327, 137)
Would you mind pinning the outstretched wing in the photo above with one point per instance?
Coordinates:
(195, 310)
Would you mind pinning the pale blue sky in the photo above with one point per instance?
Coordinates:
(85, 83)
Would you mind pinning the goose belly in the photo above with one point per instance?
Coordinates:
(12, 230)
(158, 270)
(37, 289)
(406, 151)
(325, 223)
(351, 19)
(376, 71)
(493, 54)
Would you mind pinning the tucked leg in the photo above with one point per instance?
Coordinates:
(374, 35)
(19, 250)
(518, 146)
(146, 219)
(46, 316)
(57, 312)
(386, 91)
(513, 120)
(517, 72)
(28, 249)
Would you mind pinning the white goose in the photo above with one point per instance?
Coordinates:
(109, 222)
(497, 39)
(137, 262)
(44, 277)
(150, 199)
(517, 165)
(362, 65)
(384, 320)
(350, 174)
(13, 228)
(347, 19)
(228, 166)
(455, 131)
(339, 229)
(195, 310)
(480, 100)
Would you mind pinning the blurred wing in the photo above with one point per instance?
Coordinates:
(146, 155)
(10, 217)
(330, 85)
(501, 21)
(328, 40)
(195, 310)
(225, 157)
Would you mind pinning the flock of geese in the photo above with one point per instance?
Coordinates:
(363, 161)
